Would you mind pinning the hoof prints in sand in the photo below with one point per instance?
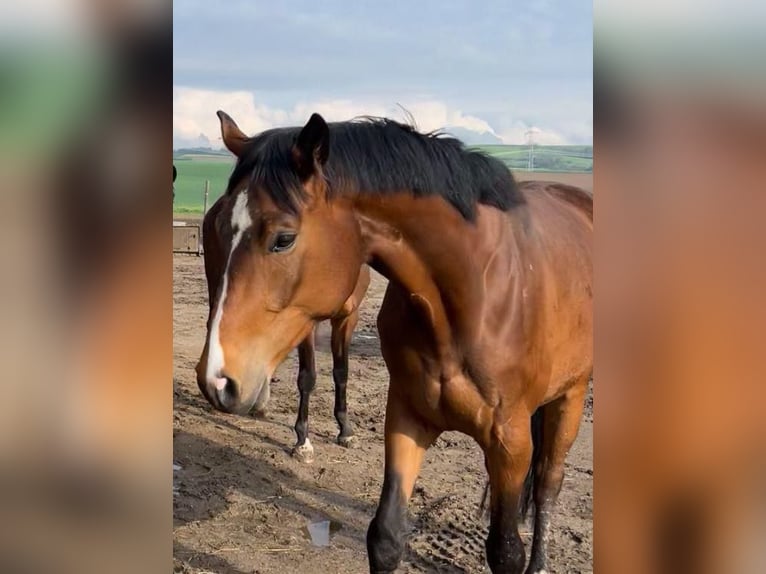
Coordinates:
(448, 538)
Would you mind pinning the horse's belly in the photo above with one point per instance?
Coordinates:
(571, 358)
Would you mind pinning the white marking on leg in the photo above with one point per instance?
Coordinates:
(304, 452)
(306, 446)
(240, 222)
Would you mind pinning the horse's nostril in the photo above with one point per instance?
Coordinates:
(229, 388)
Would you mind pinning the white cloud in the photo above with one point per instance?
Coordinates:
(194, 115)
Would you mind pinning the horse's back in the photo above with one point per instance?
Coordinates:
(575, 196)
(562, 195)
(562, 219)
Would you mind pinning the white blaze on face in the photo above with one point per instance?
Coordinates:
(240, 222)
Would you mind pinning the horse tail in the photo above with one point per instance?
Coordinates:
(527, 499)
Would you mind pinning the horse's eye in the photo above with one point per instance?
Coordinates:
(283, 242)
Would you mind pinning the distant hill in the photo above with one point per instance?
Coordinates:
(201, 164)
(559, 158)
(200, 151)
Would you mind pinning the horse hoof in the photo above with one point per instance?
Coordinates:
(304, 453)
(348, 441)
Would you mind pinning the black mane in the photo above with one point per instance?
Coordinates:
(379, 156)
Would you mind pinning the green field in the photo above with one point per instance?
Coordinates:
(570, 158)
(193, 170)
(195, 167)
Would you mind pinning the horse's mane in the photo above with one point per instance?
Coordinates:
(381, 156)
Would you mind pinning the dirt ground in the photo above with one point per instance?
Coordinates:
(242, 504)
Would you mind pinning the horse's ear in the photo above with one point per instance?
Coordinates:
(233, 138)
(312, 146)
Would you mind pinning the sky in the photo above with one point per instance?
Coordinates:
(487, 71)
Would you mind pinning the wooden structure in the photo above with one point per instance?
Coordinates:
(187, 238)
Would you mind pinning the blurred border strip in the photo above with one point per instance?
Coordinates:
(85, 247)
(680, 140)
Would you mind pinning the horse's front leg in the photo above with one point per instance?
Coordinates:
(342, 331)
(406, 439)
(508, 456)
(307, 378)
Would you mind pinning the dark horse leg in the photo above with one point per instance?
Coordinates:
(561, 421)
(307, 379)
(406, 441)
(342, 330)
(508, 456)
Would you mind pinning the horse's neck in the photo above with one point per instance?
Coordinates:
(436, 256)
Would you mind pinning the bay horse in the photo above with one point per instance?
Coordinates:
(216, 253)
(485, 327)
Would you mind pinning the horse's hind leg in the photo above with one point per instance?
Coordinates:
(307, 377)
(508, 456)
(406, 441)
(561, 421)
(342, 331)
